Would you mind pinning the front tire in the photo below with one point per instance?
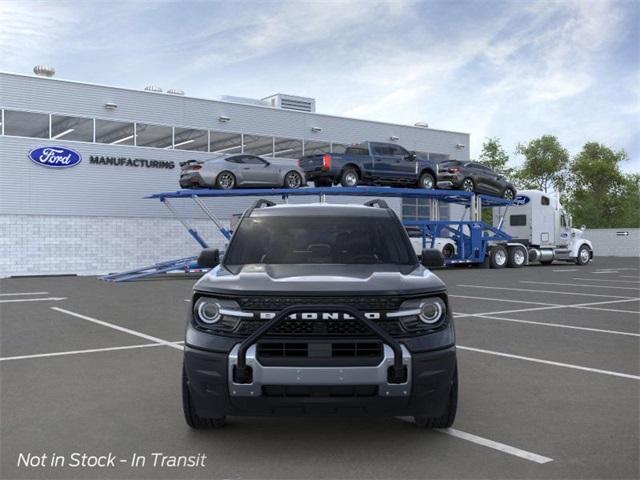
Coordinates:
(427, 181)
(293, 180)
(448, 251)
(448, 417)
(584, 255)
(349, 178)
(190, 416)
(226, 180)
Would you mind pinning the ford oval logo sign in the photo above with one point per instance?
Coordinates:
(55, 157)
(521, 200)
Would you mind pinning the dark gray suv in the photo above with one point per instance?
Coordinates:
(320, 310)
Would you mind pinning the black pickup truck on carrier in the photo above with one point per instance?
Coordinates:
(320, 309)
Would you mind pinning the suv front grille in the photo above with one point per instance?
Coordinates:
(365, 304)
(319, 350)
(325, 328)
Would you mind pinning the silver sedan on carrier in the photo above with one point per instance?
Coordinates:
(241, 170)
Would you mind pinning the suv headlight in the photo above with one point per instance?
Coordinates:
(423, 313)
(217, 314)
(207, 310)
(432, 310)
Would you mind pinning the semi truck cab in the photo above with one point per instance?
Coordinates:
(538, 221)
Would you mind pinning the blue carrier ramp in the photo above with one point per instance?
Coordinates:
(471, 237)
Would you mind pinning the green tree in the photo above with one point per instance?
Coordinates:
(494, 156)
(600, 195)
(544, 165)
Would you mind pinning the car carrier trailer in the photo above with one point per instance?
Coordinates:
(470, 240)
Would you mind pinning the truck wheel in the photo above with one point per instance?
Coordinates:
(427, 181)
(349, 178)
(499, 257)
(190, 416)
(446, 420)
(226, 180)
(584, 255)
(517, 257)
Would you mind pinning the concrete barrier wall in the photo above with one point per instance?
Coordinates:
(614, 242)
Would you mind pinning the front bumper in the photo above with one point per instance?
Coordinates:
(212, 388)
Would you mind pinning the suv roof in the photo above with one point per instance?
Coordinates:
(322, 209)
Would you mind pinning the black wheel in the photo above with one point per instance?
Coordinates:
(293, 179)
(517, 257)
(349, 177)
(226, 180)
(584, 255)
(468, 185)
(190, 416)
(448, 251)
(427, 181)
(508, 194)
(498, 257)
(447, 418)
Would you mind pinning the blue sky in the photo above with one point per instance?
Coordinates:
(515, 69)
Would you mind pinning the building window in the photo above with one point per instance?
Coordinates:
(26, 124)
(315, 148)
(287, 148)
(258, 145)
(114, 133)
(71, 128)
(225, 142)
(157, 136)
(190, 139)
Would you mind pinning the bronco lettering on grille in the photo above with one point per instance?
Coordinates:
(321, 316)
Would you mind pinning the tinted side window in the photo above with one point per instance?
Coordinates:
(253, 160)
(544, 201)
(356, 151)
(398, 151)
(518, 220)
(234, 160)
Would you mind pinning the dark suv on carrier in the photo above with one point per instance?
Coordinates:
(320, 310)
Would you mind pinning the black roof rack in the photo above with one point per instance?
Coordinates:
(376, 201)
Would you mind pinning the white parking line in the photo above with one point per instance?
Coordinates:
(552, 306)
(20, 300)
(567, 270)
(628, 276)
(485, 442)
(119, 328)
(23, 293)
(557, 325)
(77, 352)
(529, 290)
(504, 300)
(549, 362)
(604, 280)
(581, 285)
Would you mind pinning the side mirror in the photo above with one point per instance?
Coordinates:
(583, 228)
(209, 258)
(432, 257)
(412, 156)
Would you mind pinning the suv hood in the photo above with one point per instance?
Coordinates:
(320, 280)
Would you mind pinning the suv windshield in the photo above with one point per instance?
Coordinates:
(320, 240)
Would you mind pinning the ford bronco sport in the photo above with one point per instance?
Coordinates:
(319, 309)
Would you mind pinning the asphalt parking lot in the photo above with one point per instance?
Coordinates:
(549, 369)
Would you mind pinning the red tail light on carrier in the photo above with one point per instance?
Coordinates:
(326, 162)
(453, 170)
(196, 167)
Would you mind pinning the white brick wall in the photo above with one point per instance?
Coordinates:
(608, 242)
(44, 245)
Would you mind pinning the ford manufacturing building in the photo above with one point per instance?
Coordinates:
(92, 218)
